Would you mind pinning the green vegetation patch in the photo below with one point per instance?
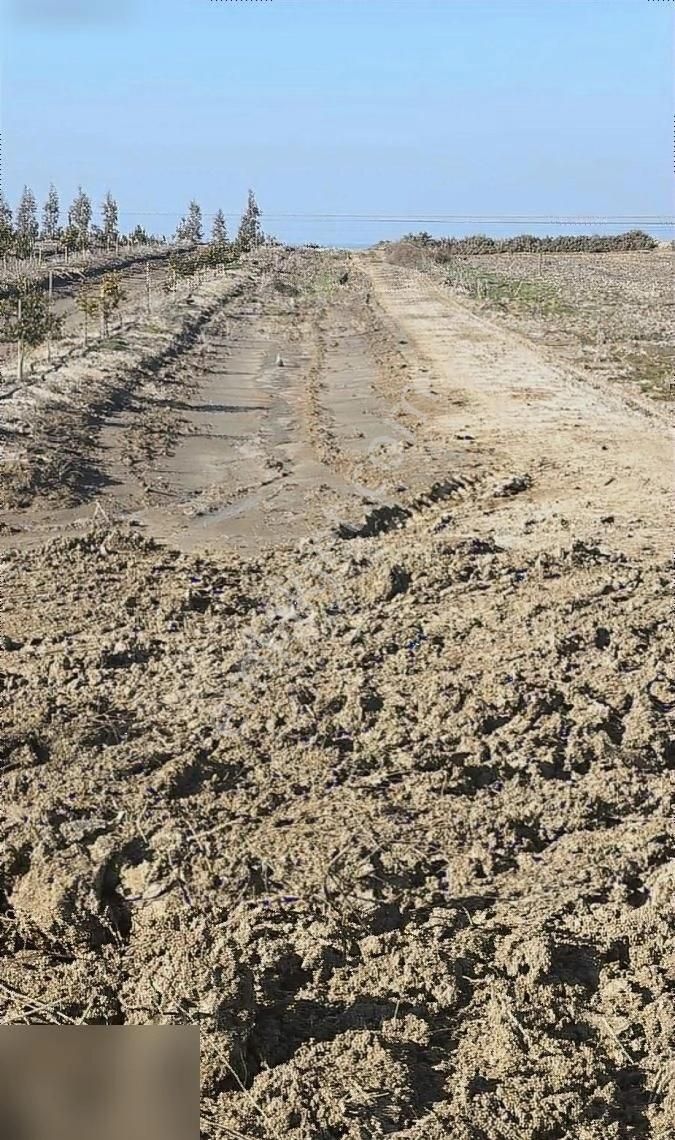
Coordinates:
(528, 296)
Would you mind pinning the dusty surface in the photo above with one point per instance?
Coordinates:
(377, 789)
(67, 281)
(610, 315)
(267, 403)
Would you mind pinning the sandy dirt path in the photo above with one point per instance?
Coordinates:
(587, 453)
(279, 420)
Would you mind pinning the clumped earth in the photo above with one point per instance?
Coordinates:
(386, 809)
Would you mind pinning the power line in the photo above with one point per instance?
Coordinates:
(538, 219)
(647, 221)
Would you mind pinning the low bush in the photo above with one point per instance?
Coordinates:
(444, 248)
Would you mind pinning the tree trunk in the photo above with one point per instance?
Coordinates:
(19, 345)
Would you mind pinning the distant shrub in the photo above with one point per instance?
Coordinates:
(445, 248)
(423, 238)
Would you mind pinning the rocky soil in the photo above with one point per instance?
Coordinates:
(384, 803)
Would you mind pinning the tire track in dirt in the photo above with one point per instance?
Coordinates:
(587, 454)
(228, 445)
(359, 417)
(282, 417)
(272, 481)
(339, 392)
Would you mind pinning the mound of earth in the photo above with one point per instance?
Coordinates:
(393, 822)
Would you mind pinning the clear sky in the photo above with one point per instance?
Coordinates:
(388, 107)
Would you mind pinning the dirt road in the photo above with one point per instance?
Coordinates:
(587, 451)
(366, 765)
(284, 414)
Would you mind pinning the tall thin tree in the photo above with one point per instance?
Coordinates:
(250, 232)
(79, 216)
(194, 221)
(6, 225)
(27, 228)
(219, 229)
(110, 215)
(51, 212)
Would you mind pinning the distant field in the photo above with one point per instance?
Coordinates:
(610, 313)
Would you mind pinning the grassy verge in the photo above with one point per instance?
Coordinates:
(514, 295)
(654, 371)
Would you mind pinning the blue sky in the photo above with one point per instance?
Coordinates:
(388, 107)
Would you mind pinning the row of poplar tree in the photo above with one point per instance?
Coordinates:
(19, 232)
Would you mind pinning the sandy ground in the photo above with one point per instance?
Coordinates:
(67, 283)
(337, 718)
